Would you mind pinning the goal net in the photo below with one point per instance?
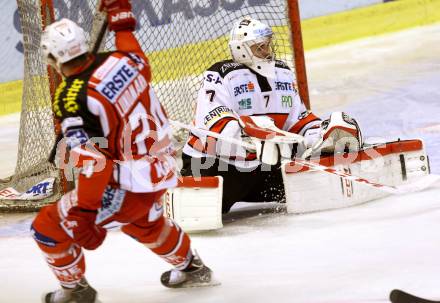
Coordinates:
(181, 39)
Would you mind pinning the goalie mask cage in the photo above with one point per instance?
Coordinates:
(181, 38)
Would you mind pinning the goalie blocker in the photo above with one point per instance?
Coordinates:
(196, 203)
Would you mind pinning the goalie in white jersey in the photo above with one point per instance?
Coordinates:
(250, 98)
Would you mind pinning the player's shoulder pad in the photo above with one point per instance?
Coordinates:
(281, 64)
(225, 67)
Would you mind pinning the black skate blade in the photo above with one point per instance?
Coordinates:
(399, 296)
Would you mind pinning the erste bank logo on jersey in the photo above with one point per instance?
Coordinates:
(244, 88)
(122, 85)
(284, 86)
(117, 79)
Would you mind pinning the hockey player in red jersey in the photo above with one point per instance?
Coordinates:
(118, 136)
(250, 98)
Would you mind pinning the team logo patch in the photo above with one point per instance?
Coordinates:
(244, 88)
(71, 122)
(346, 184)
(231, 65)
(117, 80)
(112, 201)
(41, 190)
(286, 101)
(74, 50)
(66, 96)
(245, 103)
(137, 59)
(263, 32)
(70, 100)
(213, 78)
(217, 113)
(155, 212)
(76, 137)
(303, 115)
(284, 86)
(281, 64)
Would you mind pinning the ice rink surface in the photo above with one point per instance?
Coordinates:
(391, 85)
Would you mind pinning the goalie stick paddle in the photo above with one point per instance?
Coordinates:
(399, 296)
(420, 184)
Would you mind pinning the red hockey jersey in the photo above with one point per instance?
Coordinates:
(109, 114)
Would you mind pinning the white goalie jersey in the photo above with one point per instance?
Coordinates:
(231, 90)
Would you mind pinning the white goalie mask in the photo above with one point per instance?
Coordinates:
(63, 41)
(251, 44)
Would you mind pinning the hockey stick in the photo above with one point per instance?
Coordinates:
(97, 34)
(99, 29)
(423, 183)
(399, 296)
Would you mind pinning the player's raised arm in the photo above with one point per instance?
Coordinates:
(122, 22)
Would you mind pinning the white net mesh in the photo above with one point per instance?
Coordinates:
(181, 39)
(36, 135)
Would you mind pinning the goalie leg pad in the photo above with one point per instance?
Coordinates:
(392, 164)
(196, 204)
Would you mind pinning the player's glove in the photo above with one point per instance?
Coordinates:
(119, 15)
(80, 224)
(271, 143)
(338, 133)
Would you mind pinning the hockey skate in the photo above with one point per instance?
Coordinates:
(196, 274)
(82, 293)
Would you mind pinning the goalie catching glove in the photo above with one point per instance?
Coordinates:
(338, 133)
(119, 15)
(271, 143)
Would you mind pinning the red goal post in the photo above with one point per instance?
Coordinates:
(181, 40)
